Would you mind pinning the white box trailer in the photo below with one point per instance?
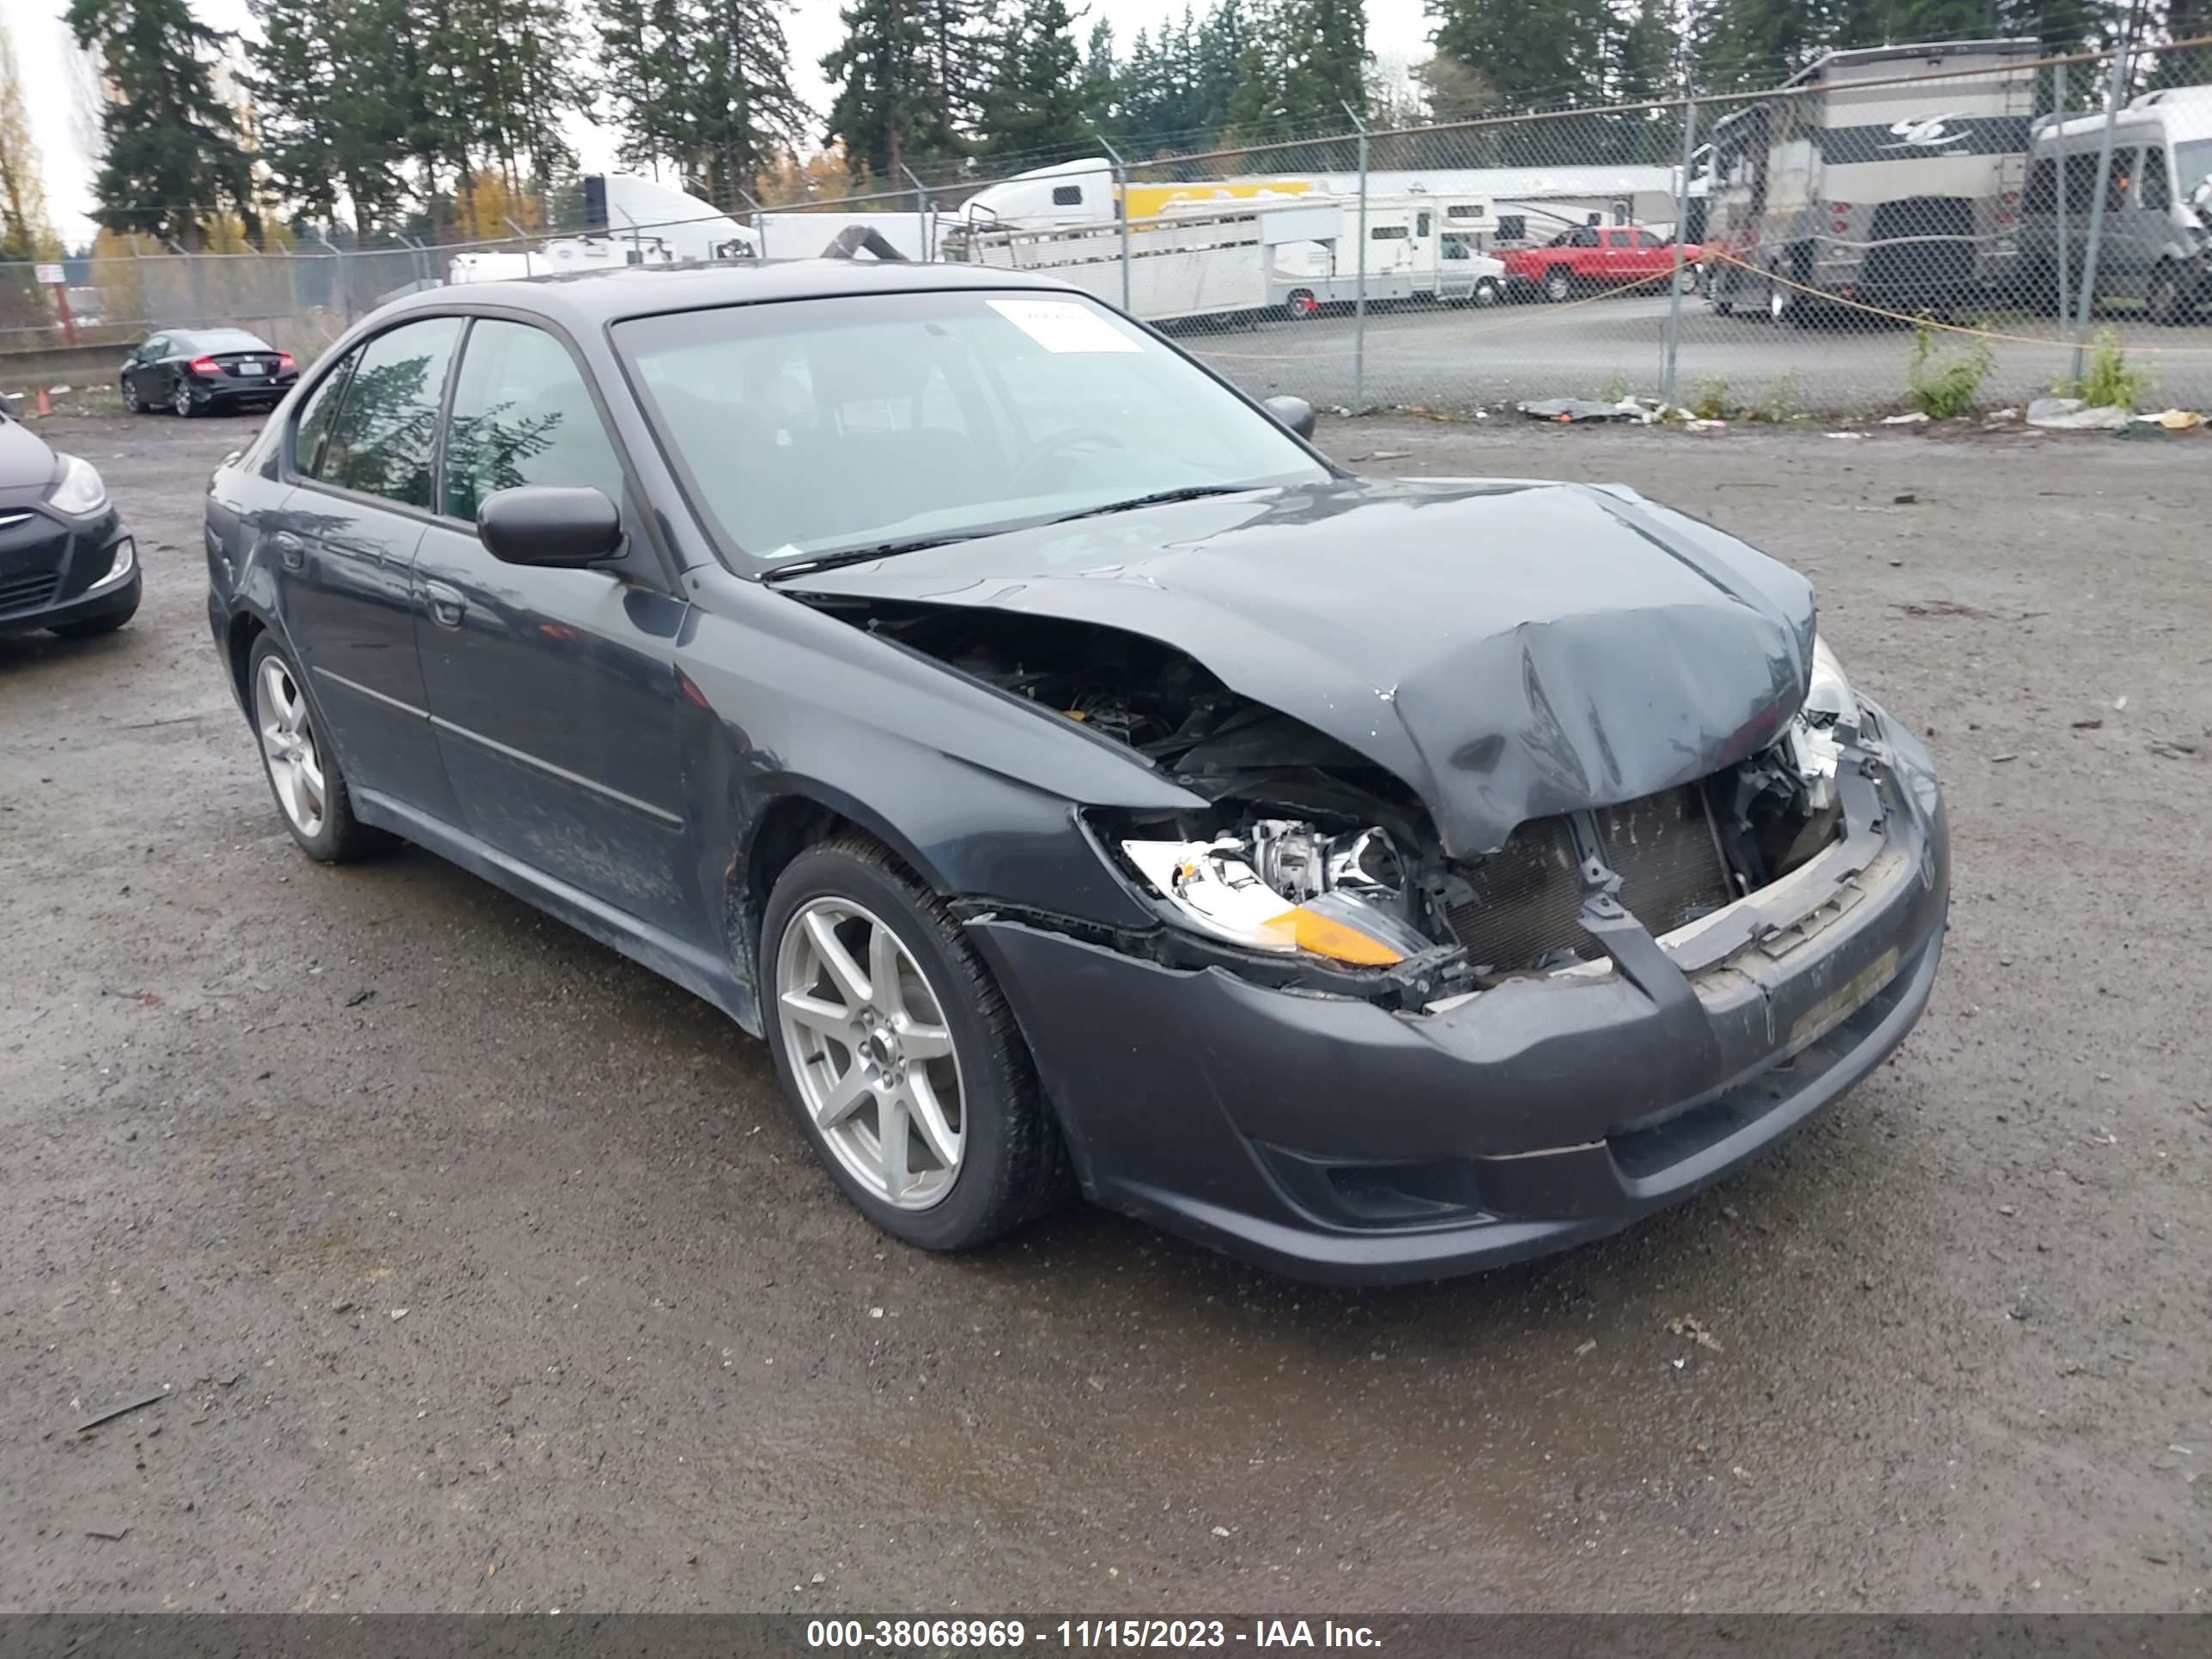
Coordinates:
(1292, 255)
(1195, 263)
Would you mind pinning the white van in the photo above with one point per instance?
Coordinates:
(2154, 244)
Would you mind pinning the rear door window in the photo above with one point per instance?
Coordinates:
(522, 414)
(384, 439)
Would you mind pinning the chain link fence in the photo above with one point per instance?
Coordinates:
(1946, 227)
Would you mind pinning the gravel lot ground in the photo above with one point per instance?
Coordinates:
(484, 1270)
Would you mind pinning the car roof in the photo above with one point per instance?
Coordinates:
(590, 299)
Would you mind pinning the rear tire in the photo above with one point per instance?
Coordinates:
(319, 814)
(180, 401)
(1000, 1163)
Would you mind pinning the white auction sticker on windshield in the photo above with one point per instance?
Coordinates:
(1064, 325)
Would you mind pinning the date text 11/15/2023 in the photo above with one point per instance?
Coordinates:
(939, 1635)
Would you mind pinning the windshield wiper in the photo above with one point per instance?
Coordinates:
(1159, 498)
(861, 556)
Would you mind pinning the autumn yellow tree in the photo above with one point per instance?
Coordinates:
(487, 201)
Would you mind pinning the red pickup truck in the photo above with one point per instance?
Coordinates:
(1592, 257)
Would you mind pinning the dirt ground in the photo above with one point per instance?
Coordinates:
(484, 1271)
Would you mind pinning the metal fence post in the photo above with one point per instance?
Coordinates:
(1360, 282)
(1681, 221)
(920, 210)
(2088, 297)
(1121, 210)
(2058, 186)
(759, 223)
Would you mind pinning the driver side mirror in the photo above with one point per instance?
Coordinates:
(551, 525)
(1295, 413)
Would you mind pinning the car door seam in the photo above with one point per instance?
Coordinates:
(337, 679)
(560, 772)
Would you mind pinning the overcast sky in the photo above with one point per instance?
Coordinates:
(1397, 30)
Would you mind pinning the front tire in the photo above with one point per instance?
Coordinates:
(302, 768)
(1487, 293)
(2165, 304)
(131, 401)
(898, 1054)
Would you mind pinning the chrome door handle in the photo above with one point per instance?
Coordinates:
(447, 604)
(289, 550)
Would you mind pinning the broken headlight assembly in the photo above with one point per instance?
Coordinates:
(1281, 886)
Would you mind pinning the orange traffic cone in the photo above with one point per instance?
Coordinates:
(45, 403)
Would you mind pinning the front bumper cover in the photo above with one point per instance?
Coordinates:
(53, 569)
(1336, 1140)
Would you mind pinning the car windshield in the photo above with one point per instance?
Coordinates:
(225, 339)
(809, 427)
(2192, 164)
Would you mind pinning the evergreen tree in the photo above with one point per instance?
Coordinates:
(1033, 105)
(961, 54)
(330, 126)
(704, 83)
(1647, 57)
(1536, 54)
(1101, 79)
(512, 68)
(1218, 45)
(175, 156)
(886, 114)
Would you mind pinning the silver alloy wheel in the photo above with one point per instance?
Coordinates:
(871, 1053)
(287, 744)
(181, 399)
(130, 394)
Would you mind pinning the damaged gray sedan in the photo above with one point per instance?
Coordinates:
(1077, 778)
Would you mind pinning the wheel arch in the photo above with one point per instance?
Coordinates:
(239, 635)
(797, 814)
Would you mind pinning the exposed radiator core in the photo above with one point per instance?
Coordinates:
(1528, 894)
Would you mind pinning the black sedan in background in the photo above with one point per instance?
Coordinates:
(194, 371)
(1073, 775)
(66, 562)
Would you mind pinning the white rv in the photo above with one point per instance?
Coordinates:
(1891, 175)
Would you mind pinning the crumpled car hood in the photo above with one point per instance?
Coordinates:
(1509, 649)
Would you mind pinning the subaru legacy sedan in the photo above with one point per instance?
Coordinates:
(1078, 779)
